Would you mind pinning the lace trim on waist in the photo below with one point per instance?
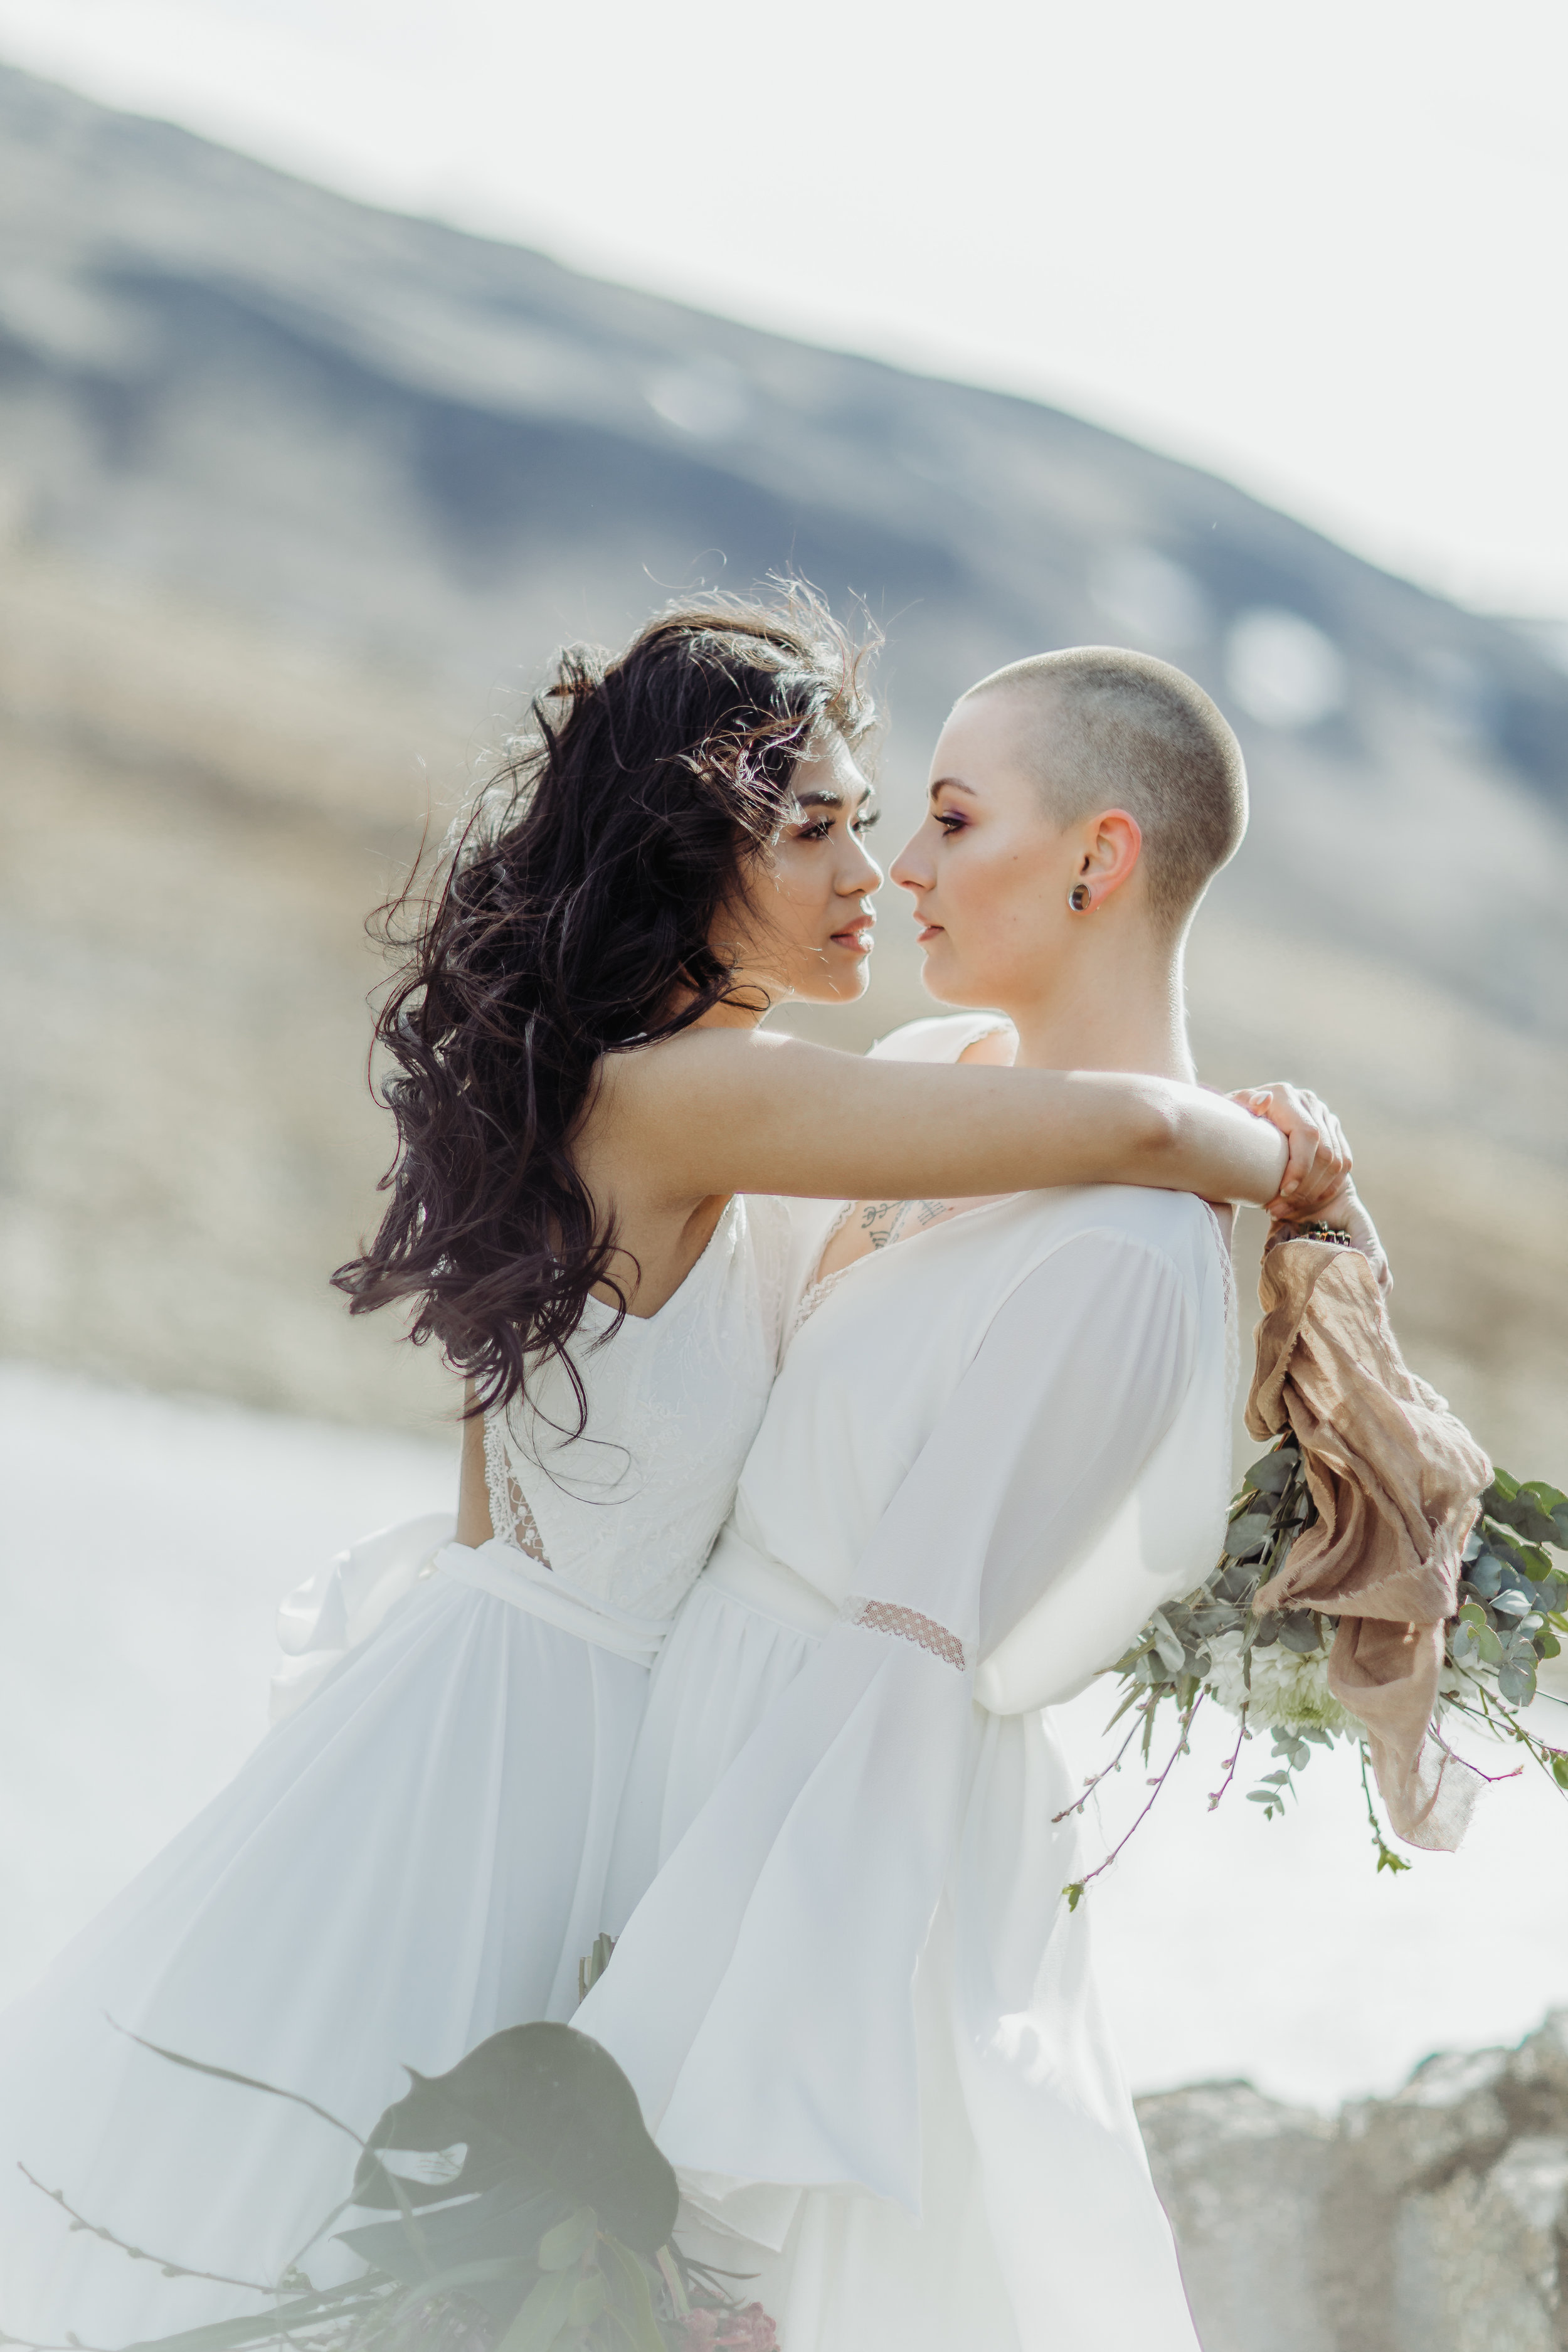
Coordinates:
(906, 1625)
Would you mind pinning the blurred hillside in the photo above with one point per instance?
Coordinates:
(296, 499)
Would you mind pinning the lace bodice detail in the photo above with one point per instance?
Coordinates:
(819, 1286)
(627, 1513)
(511, 1514)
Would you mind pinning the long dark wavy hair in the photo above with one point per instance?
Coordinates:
(571, 917)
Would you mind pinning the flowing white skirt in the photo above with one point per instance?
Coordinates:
(1039, 2230)
(413, 1861)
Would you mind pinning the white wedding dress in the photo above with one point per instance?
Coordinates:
(857, 2013)
(415, 1855)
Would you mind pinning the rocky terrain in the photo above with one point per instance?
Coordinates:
(1433, 2222)
(296, 497)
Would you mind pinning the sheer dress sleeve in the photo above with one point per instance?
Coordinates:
(999, 1517)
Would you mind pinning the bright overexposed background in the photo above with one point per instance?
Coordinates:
(1317, 250)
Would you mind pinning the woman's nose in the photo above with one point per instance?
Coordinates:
(909, 869)
(861, 875)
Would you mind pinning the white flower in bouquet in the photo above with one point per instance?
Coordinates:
(1288, 1689)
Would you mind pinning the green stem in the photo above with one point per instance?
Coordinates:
(135, 2253)
(1230, 1767)
(1074, 1890)
(1386, 1857)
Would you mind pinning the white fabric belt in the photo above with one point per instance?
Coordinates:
(509, 1575)
(765, 1584)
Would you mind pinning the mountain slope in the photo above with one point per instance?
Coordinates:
(297, 495)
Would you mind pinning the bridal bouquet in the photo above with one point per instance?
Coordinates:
(1269, 1672)
(527, 2211)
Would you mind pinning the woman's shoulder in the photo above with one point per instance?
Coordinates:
(941, 1037)
(657, 1079)
(1114, 1218)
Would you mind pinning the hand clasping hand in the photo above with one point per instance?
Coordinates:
(1316, 1188)
(1320, 1159)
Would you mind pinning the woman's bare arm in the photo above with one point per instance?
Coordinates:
(473, 1494)
(725, 1110)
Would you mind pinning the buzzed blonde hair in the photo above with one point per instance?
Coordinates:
(1104, 727)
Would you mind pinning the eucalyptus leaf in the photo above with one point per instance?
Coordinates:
(1247, 1534)
(1517, 1682)
(1484, 1575)
(1274, 1472)
(1518, 1508)
(1300, 1631)
(1171, 1653)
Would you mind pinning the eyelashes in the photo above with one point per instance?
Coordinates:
(824, 827)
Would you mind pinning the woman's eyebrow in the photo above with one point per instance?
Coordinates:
(820, 796)
(949, 784)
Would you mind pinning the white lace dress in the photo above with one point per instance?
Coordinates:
(415, 1855)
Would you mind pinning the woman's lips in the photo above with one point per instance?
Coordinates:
(856, 936)
(927, 932)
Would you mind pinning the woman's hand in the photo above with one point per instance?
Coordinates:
(1318, 1169)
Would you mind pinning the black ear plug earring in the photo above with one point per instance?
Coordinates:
(1080, 899)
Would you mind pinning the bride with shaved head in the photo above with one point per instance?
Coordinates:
(857, 2012)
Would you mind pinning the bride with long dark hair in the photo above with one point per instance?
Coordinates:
(592, 1130)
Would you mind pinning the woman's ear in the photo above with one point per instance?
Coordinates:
(1112, 845)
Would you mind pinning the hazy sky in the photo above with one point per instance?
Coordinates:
(1321, 250)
